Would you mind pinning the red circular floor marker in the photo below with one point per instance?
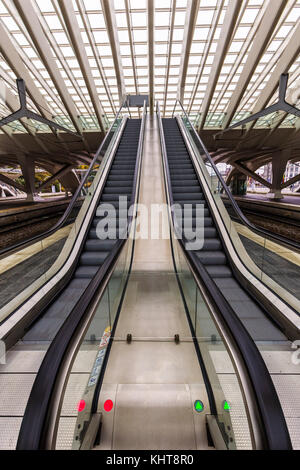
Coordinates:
(108, 405)
(80, 405)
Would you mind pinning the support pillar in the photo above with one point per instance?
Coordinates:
(28, 172)
(279, 162)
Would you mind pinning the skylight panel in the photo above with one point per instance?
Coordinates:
(140, 35)
(9, 23)
(205, 17)
(45, 6)
(162, 18)
(96, 20)
(139, 19)
(138, 4)
(61, 38)
(141, 49)
(53, 22)
(201, 34)
(162, 35)
(179, 18)
(178, 34)
(92, 5)
(123, 36)
(250, 15)
(119, 4)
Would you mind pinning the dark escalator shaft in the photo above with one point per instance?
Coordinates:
(119, 183)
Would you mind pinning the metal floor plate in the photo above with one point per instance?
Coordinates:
(9, 431)
(155, 416)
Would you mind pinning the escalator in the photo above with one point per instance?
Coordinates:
(94, 254)
(186, 189)
(272, 331)
(151, 356)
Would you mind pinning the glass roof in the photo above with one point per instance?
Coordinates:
(171, 24)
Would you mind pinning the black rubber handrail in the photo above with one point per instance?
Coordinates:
(274, 432)
(241, 216)
(22, 244)
(33, 432)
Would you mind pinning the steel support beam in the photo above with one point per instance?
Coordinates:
(251, 173)
(15, 62)
(207, 46)
(287, 58)
(89, 32)
(111, 27)
(31, 21)
(189, 28)
(57, 176)
(11, 182)
(24, 112)
(260, 42)
(227, 30)
(293, 180)
(170, 43)
(70, 19)
(28, 171)
(150, 12)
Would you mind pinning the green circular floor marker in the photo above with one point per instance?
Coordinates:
(226, 405)
(198, 405)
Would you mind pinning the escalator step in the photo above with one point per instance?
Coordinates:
(118, 190)
(211, 257)
(219, 271)
(110, 234)
(99, 245)
(177, 196)
(93, 258)
(86, 272)
(113, 221)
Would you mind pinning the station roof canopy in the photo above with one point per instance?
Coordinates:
(80, 58)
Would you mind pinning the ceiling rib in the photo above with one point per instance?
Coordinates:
(69, 16)
(30, 20)
(150, 12)
(16, 64)
(260, 42)
(189, 28)
(232, 12)
(111, 26)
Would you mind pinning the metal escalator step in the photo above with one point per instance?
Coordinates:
(118, 184)
(114, 197)
(99, 245)
(192, 202)
(110, 234)
(187, 172)
(113, 220)
(189, 182)
(86, 272)
(121, 175)
(211, 257)
(123, 166)
(177, 196)
(187, 189)
(179, 166)
(190, 216)
(220, 271)
(211, 244)
(121, 159)
(115, 203)
(117, 190)
(93, 258)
